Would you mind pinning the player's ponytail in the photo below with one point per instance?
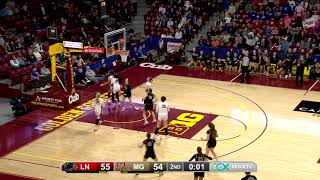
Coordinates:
(213, 131)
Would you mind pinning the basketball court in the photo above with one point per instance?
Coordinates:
(255, 123)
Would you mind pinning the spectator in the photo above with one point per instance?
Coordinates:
(14, 62)
(45, 71)
(37, 55)
(2, 40)
(43, 10)
(6, 11)
(37, 47)
(28, 39)
(201, 41)
(279, 69)
(18, 44)
(215, 42)
(80, 79)
(144, 50)
(83, 34)
(103, 70)
(31, 59)
(80, 62)
(92, 75)
(285, 44)
(292, 4)
(170, 23)
(136, 54)
(25, 7)
(10, 47)
(178, 34)
(232, 9)
(250, 41)
(162, 9)
(21, 59)
(35, 75)
(249, 177)
(299, 10)
(36, 25)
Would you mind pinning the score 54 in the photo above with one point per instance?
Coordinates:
(159, 166)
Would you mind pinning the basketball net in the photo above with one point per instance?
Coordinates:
(124, 55)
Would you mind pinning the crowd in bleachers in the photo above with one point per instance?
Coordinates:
(180, 19)
(273, 31)
(23, 33)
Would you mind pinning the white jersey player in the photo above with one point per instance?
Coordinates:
(98, 104)
(162, 111)
(148, 84)
(116, 89)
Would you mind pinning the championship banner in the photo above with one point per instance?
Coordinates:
(173, 47)
(93, 50)
(308, 23)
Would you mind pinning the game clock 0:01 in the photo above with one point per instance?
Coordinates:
(196, 166)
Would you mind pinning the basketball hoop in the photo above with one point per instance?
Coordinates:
(124, 55)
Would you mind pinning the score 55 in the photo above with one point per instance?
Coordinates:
(106, 166)
(159, 166)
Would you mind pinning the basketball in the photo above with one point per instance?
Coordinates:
(117, 52)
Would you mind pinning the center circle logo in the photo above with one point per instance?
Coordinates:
(155, 66)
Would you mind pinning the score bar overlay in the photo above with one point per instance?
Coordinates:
(154, 167)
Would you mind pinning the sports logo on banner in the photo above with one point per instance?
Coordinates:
(173, 47)
(308, 107)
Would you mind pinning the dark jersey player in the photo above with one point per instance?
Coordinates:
(148, 101)
(199, 157)
(127, 94)
(249, 177)
(149, 144)
(212, 134)
(150, 153)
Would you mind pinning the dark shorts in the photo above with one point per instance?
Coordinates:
(151, 155)
(115, 96)
(127, 95)
(211, 144)
(148, 107)
(198, 174)
(97, 121)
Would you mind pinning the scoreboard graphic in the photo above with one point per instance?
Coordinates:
(154, 167)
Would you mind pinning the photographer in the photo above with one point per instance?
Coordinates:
(18, 106)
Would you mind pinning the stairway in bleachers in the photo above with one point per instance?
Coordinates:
(138, 22)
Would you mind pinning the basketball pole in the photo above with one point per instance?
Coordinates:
(311, 87)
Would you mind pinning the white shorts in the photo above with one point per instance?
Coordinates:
(116, 89)
(163, 117)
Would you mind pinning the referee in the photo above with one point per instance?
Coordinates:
(301, 62)
(245, 67)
